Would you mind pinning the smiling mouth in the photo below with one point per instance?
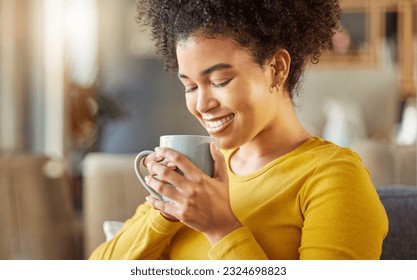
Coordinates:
(214, 126)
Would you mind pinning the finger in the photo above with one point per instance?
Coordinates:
(162, 188)
(149, 165)
(163, 162)
(169, 164)
(153, 157)
(165, 170)
(162, 206)
(220, 167)
(158, 157)
(179, 160)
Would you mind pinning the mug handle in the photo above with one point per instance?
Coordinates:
(138, 167)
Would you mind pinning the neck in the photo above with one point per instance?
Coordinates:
(283, 135)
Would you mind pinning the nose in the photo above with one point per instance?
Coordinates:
(205, 100)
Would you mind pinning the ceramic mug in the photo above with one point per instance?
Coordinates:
(195, 147)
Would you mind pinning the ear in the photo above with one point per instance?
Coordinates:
(281, 67)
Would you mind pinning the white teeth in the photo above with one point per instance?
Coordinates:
(215, 124)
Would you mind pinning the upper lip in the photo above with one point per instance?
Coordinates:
(215, 124)
(212, 118)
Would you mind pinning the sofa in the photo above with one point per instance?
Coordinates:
(400, 203)
(37, 216)
(111, 193)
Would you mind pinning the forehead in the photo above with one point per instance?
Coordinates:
(202, 52)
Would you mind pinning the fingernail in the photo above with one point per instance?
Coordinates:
(158, 151)
(147, 179)
(148, 199)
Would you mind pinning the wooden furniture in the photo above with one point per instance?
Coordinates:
(367, 55)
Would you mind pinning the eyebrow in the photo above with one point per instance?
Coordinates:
(209, 70)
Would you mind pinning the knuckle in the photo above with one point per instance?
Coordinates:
(158, 186)
(192, 193)
(150, 165)
(155, 205)
(176, 157)
(164, 172)
(157, 157)
(162, 206)
(199, 180)
(158, 205)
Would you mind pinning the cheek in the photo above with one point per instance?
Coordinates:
(191, 103)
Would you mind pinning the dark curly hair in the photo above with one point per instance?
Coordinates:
(303, 27)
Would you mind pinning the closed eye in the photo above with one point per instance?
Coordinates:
(191, 89)
(221, 84)
(213, 84)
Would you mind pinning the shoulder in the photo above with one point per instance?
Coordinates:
(336, 169)
(322, 152)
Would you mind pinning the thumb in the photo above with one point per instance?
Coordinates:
(220, 169)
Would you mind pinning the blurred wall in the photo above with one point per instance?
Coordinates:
(154, 103)
(151, 100)
(368, 97)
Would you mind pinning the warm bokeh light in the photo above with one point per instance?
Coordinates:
(81, 31)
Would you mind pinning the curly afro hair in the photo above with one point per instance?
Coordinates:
(303, 27)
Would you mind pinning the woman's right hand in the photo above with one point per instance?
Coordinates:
(155, 157)
(151, 159)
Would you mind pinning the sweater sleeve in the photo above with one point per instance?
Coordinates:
(238, 245)
(344, 217)
(144, 236)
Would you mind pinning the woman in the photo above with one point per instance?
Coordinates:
(277, 192)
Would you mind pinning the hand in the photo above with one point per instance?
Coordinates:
(199, 201)
(155, 157)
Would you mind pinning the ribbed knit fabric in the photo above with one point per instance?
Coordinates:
(316, 202)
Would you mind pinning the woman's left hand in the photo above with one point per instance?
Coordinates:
(198, 200)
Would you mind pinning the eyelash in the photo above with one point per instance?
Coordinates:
(225, 83)
(190, 90)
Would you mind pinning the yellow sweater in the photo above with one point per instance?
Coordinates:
(316, 202)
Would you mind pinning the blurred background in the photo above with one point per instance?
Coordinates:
(80, 78)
